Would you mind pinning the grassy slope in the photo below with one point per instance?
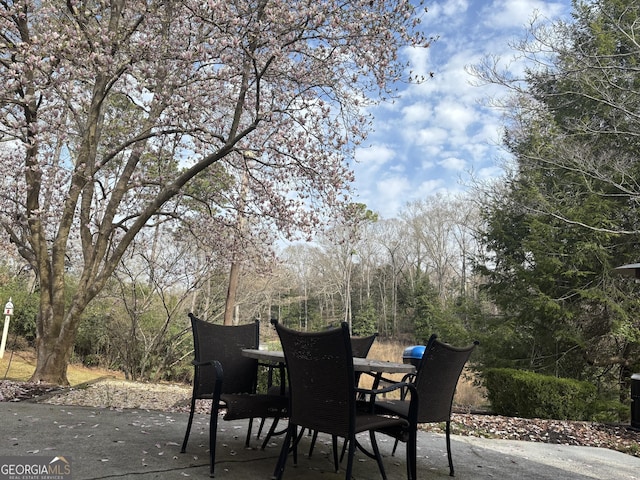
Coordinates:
(22, 364)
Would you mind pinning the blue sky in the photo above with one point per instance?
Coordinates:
(436, 133)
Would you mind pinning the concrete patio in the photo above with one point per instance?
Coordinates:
(143, 445)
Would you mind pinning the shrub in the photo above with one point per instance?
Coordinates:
(521, 393)
(17, 343)
(610, 411)
(263, 377)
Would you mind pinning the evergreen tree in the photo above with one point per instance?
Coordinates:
(567, 214)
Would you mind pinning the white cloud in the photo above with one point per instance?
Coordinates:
(451, 9)
(427, 163)
(518, 13)
(453, 164)
(440, 130)
(391, 194)
(454, 115)
(371, 163)
(374, 157)
(490, 172)
(430, 187)
(419, 112)
(420, 60)
(430, 136)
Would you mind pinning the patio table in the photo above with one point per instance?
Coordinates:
(368, 365)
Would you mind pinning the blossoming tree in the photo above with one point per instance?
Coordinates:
(112, 108)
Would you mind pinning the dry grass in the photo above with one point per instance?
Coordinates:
(469, 395)
(19, 366)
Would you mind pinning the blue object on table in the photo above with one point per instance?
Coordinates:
(413, 354)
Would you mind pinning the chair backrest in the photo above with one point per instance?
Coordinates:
(321, 379)
(360, 346)
(224, 344)
(437, 378)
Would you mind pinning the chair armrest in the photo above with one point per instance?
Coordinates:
(197, 363)
(390, 388)
(409, 377)
(217, 368)
(378, 379)
(404, 387)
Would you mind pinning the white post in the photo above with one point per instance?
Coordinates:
(8, 311)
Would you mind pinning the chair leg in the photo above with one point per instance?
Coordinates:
(314, 437)
(448, 436)
(270, 433)
(351, 454)
(189, 422)
(334, 441)
(248, 439)
(262, 420)
(284, 452)
(213, 431)
(296, 442)
(376, 452)
(395, 446)
(412, 454)
(344, 449)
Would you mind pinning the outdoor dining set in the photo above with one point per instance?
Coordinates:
(319, 390)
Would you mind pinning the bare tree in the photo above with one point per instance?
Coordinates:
(440, 229)
(155, 280)
(391, 236)
(298, 261)
(340, 245)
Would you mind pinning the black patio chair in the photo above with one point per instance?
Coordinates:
(360, 347)
(228, 379)
(273, 388)
(322, 394)
(435, 382)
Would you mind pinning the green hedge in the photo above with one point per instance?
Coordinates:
(521, 393)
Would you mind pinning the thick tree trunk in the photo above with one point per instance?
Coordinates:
(52, 361)
(52, 358)
(56, 328)
(231, 293)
